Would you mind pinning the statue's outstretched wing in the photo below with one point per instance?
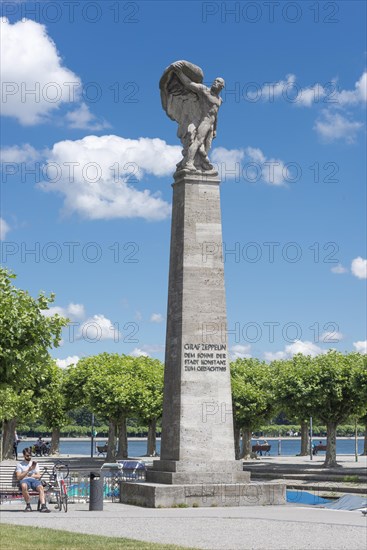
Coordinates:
(180, 103)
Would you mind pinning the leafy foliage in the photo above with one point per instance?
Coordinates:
(52, 400)
(26, 334)
(252, 393)
(341, 389)
(114, 386)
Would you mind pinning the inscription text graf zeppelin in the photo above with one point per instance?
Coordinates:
(205, 357)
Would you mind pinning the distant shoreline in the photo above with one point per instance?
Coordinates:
(98, 439)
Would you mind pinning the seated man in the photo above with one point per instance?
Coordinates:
(259, 443)
(28, 475)
(39, 446)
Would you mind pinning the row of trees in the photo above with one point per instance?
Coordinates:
(332, 388)
(118, 387)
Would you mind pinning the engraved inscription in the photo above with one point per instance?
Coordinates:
(205, 357)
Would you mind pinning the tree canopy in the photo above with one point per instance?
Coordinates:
(27, 335)
(252, 397)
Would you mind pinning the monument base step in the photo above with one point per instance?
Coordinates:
(199, 465)
(157, 495)
(189, 478)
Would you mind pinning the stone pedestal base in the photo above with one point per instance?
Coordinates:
(180, 472)
(155, 495)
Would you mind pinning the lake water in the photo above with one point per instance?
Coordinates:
(289, 447)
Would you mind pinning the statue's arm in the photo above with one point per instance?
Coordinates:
(193, 86)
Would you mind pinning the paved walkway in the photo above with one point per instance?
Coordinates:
(344, 461)
(252, 528)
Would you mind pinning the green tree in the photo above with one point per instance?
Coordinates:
(15, 407)
(26, 337)
(294, 385)
(82, 417)
(330, 387)
(111, 391)
(148, 395)
(253, 400)
(107, 384)
(340, 392)
(364, 422)
(53, 404)
(78, 399)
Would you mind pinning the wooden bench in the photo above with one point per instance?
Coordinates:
(9, 485)
(318, 448)
(261, 449)
(101, 449)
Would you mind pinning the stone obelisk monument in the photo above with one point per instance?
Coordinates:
(197, 462)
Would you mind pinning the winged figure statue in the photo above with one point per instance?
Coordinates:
(195, 107)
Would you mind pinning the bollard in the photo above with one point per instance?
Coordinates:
(96, 492)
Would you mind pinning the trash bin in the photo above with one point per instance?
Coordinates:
(96, 491)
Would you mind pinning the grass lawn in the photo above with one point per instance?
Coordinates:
(15, 537)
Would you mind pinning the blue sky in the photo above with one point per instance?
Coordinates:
(290, 149)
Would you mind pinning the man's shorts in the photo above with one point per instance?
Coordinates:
(31, 482)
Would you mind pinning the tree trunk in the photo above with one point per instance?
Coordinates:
(55, 442)
(237, 446)
(111, 444)
(246, 442)
(365, 441)
(305, 440)
(122, 439)
(330, 459)
(152, 441)
(9, 427)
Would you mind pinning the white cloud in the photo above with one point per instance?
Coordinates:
(359, 268)
(137, 352)
(153, 348)
(249, 164)
(331, 337)
(312, 94)
(272, 90)
(358, 95)
(239, 352)
(98, 328)
(94, 175)
(156, 318)
(71, 360)
(273, 170)
(339, 269)
(72, 311)
(306, 348)
(148, 350)
(361, 346)
(55, 310)
(230, 157)
(76, 310)
(20, 153)
(4, 229)
(329, 93)
(30, 62)
(333, 125)
(83, 119)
